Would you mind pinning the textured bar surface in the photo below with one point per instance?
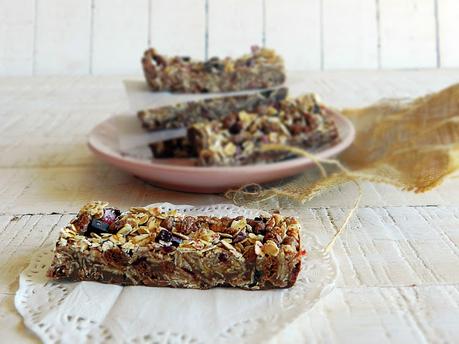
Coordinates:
(238, 138)
(185, 114)
(145, 246)
(262, 68)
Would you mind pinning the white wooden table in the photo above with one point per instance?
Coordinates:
(399, 260)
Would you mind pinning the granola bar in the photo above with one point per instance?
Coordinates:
(262, 68)
(185, 114)
(237, 139)
(146, 246)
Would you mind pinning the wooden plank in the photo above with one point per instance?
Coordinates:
(409, 309)
(448, 14)
(16, 37)
(120, 36)
(63, 32)
(178, 27)
(386, 315)
(391, 246)
(293, 29)
(234, 26)
(408, 38)
(67, 188)
(350, 36)
(44, 152)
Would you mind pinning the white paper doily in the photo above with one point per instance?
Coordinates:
(89, 312)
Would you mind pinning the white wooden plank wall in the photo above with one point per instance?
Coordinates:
(413, 43)
(185, 24)
(120, 34)
(40, 37)
(62, 36)
(234, 26)
(293, 28)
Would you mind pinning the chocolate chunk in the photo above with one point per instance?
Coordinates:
(176, 241)
(164, 236)
(99, 226)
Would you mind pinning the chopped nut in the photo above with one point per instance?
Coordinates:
(230, 247)
(230, 149)
(127, 228)
(270, 248)
(107, 245)
(139, 238)
(180, 235)
(239, 224)
(143, 230)
(258, 248)
(142, 218)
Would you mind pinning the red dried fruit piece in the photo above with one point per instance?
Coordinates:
(110, 215)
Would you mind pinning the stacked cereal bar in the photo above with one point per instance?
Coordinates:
(262, 68)
(237, 138)
(146, 246)
(184, 114)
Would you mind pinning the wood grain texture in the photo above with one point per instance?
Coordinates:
(386, 315)
(390, 282)
(398, 259)
(234, 26)
(350, 34)
(120, 35)
(448, 14)
(178, 27)
(293, 29)
(62, 43)
(408, 37)
(16, 37)
(99, 36)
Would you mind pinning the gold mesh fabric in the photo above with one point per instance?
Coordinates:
(412, 145)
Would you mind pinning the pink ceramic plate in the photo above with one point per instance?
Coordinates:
(182, 176)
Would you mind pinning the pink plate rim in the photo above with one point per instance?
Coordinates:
(110, 155)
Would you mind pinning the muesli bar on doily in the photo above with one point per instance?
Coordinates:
(147, 246)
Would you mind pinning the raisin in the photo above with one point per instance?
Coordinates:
(168, 223)
(229, 120)
(296, 129)
(257, 224)
(223, 257)
(236, 128)
(115, 257)
(250, 63)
